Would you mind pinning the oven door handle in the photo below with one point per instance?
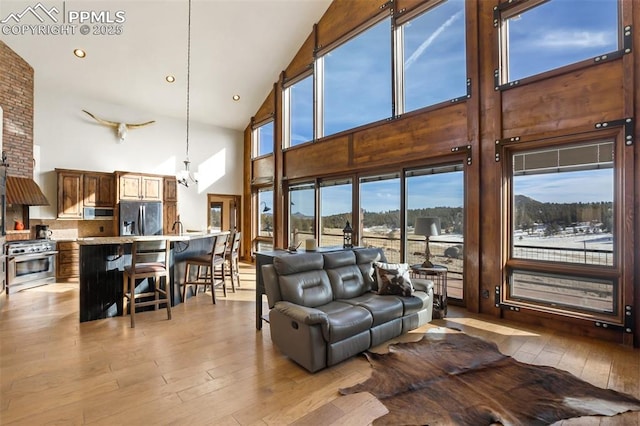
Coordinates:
(32, 255)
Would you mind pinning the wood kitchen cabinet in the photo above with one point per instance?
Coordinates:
(170, 189)
(170, 207)
(68, 268)
(140, 187)
(99, 189)
(169, 217)
(70, 194)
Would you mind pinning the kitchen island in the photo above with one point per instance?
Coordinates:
(102, 260)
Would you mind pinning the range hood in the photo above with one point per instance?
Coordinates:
(24, 191)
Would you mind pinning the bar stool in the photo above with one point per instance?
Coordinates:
(210, 269)
(232, 260)
(149, 259)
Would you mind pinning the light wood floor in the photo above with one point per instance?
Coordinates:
(209, 365)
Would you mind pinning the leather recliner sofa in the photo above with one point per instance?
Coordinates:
(324, 307)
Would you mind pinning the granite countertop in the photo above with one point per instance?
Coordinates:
(186, 236)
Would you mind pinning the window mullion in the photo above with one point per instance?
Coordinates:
(318, 97)
(398, 53)
(286, 118)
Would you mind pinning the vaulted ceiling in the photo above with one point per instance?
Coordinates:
(238, 47)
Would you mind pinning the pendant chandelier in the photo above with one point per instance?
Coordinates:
(185, 177)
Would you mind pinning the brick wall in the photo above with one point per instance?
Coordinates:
(16, 98)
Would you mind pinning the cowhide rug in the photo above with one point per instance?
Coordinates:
(456, 379)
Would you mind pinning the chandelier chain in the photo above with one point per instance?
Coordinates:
(188, 75)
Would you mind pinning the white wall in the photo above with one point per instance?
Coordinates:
(65, 137)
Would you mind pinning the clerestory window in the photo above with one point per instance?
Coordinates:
(538, 36)
(298, 112)
(263, 139)
(355, 80)
(431, 59)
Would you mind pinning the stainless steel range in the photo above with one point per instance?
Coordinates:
(30, 263)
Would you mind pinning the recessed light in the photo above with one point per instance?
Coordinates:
(170, 79)
(79, 53)
(236, 97)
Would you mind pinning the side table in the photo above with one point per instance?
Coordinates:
(438, 274)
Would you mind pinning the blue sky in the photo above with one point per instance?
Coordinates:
(561, 32)
(571, 187)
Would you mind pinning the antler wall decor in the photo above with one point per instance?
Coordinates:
(121, 128)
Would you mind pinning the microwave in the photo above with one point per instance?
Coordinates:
(97, 213)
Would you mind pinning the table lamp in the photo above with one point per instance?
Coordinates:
(429, 227)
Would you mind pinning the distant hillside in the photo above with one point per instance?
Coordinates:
(522, 201)
(559, 215)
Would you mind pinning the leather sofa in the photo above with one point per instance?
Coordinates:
(324, 307)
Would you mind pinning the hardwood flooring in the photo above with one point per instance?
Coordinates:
(209, 365)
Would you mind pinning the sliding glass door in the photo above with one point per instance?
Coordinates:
(336, 200)
(438, 193)
(380, 214)
(302, 213)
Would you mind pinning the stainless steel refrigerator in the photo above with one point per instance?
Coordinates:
(140, 218)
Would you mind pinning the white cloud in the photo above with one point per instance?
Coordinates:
(564, 39)
(425, 44)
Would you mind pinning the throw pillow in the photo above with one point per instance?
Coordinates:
(393, 279)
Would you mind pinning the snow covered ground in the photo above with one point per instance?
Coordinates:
(598, 241)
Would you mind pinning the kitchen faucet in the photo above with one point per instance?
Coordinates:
(180, 226)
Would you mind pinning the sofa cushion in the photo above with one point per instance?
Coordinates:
(347, 282)
(383, 308)
(416, 302)
(302, 279)
(310, 288)
(338, 259)
(344, 275)
(345, 320)
(288, 264)
(393, 279)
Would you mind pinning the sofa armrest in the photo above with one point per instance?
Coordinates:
(422, 284)
(271, 286)
(302, 314)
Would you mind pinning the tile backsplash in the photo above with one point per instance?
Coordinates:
(72, 229)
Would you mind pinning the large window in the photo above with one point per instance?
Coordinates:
(437, 192)
(302, 213)
(336, 200)
(563, 211)
(432, 64)
(263, 138)
(356, 79)
(265, 220)
(380, 214)
(298, 112)
(563, 204)
(555, 33)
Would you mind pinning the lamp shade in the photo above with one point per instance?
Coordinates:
(427, 226)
